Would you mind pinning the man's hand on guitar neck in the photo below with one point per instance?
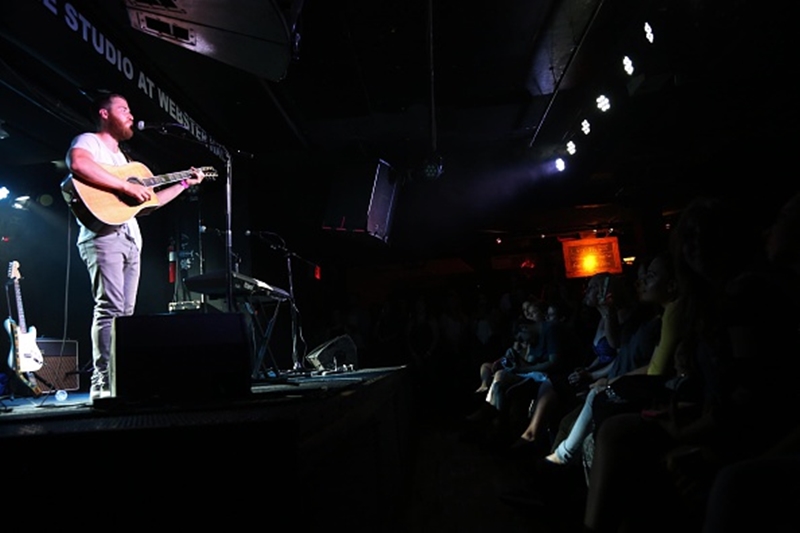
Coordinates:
(198, 177)
(170, 193)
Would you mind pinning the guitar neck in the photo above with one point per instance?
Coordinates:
(20, 309)
(166, 179)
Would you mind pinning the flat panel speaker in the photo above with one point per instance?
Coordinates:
(60, 368)
(180, 358)
(362, 200)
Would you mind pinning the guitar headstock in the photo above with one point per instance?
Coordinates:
(209, 173)
(13, 270)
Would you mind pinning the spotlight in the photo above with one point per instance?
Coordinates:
(571, 149)
(586, 127)
(560, 165)
(603, 103)
(648, 32)
(432, 169)
(21, 202)
(627, 64)
(4, 192)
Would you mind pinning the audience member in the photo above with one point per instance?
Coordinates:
(650, 472)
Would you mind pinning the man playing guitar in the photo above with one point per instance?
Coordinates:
(112, 253)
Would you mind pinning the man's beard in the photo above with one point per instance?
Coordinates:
(119, 130)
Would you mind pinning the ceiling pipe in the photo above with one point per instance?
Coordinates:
(572, 56)
(430, 59)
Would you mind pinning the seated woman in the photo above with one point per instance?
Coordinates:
(612, 299)
(659, 288)
(527, 332)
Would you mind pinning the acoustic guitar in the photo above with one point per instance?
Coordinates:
(99, 208)
(25, 357)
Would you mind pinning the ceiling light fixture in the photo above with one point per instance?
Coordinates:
(648, 33)
(627, 64)
(603, 103)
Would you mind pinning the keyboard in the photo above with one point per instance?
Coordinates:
(214, 284)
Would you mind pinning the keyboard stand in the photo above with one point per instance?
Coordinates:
(262, 346)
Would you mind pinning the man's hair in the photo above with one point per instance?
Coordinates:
(102, 101)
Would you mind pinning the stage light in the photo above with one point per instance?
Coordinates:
(586, 128)
(560, 165)
(433, 167)
(571, 149)
(21, 202)
(627, 64)
(648, 33)
(603, 103)
(4, 192)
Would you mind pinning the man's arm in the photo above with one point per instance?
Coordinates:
(84, 167)
(168, 194)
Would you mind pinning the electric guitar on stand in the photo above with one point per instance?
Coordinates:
(98, 208)
(25, 357)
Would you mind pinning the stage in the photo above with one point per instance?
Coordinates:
(324, 449)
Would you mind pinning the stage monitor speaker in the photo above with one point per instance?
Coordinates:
(60, 369)
(362, 200)
(180, 358)
(339, 352)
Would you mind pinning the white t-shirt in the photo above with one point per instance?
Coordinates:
(101, 154)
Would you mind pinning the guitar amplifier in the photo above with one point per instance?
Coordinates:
(60, 368)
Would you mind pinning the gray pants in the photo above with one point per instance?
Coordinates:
(113, 264)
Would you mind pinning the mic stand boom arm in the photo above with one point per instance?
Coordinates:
(228, 211)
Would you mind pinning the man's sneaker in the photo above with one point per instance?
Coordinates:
(99, 388)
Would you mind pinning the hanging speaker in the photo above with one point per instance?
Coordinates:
(254, 35)
(184, 358)
(362, 200)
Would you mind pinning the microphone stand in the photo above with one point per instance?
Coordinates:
(297, 365)
(228, 231)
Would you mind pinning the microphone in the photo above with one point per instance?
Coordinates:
(214, 231)
(142, 125)
(259, 233)
(266, 236)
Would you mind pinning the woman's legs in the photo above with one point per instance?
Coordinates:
(546, 399)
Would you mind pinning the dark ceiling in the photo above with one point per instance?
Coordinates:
(306, 96)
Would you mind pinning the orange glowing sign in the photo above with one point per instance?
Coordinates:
(586, 257)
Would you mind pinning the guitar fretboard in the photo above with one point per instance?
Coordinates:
(20, 310)
(165, 179)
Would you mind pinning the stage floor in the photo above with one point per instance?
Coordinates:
(328, 440)
(263, 393)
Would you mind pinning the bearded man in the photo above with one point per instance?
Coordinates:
(112, 253)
